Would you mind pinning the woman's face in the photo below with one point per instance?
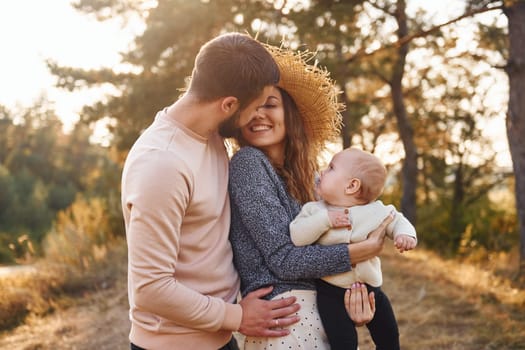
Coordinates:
(265, 128)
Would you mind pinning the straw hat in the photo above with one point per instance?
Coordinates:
(313, 91)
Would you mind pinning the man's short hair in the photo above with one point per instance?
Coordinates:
(232, 64)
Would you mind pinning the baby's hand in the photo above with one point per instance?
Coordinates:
(404, 243)
(338, 218)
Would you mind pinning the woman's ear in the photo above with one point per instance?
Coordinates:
(353, 186)
(229, 105)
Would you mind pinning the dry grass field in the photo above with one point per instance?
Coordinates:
(440, 304)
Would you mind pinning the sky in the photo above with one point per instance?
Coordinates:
(32, 31)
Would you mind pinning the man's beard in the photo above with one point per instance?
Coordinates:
(228, 128)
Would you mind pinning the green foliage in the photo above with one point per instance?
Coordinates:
(6, 253)
(7, 192)
(41, 171)
(445, 89)
(60, 197)
(484, 226)
(489, 227)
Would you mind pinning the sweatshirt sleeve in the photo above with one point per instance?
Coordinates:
(157, 192)
(311, 223)
(257, 202)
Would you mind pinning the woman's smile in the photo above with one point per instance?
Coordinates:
(260, 127)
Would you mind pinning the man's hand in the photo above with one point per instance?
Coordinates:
(360, 306)
(264, 318)
(404, 243)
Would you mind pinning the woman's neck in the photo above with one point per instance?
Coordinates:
(275, 153)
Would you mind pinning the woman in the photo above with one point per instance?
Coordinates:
(271, 176)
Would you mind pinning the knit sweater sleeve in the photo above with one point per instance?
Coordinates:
(260, 202)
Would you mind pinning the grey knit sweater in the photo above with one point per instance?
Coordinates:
(261, 213)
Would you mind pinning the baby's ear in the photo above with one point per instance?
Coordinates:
(353, 186)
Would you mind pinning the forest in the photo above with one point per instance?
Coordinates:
(419, 93)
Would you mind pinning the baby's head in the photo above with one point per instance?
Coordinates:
(354, 177)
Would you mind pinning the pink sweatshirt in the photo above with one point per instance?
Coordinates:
(181, 278)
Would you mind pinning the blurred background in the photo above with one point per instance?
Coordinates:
(426, 86)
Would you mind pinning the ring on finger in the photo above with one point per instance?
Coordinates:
(276, 323)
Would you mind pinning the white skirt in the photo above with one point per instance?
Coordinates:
(307, 334)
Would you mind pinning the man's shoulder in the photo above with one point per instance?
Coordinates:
(154, 164)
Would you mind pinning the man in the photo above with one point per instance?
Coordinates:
(182, 284)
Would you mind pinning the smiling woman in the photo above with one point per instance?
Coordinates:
(33, 31)
(266, 128)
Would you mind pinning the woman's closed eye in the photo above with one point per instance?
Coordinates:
(268, 106)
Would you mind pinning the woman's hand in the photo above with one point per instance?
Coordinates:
(359, 305)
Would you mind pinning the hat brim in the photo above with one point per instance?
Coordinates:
(313, 91)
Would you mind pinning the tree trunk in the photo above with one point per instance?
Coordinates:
(409, 171)
(516, 112)
(348, 130)
(456, 208)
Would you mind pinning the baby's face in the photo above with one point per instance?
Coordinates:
(335, 178)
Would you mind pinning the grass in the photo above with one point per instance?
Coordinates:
(439, 304)
(445, 304)
(49, 286)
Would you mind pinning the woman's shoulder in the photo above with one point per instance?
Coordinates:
(248, 156)
(248, 152)
(250, 164)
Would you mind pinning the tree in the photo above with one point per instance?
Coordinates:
(409, 169)
(42, 170)
(161, 59)
(383, 89)
(515, 68)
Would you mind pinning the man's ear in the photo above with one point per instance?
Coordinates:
(229, 105)
(353, 186)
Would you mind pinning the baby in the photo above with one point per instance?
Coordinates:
(347, 212)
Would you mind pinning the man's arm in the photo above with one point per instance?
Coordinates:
(157, 194)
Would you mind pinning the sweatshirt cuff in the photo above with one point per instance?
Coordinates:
(233, 317)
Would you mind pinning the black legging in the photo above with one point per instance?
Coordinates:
(340, 329)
